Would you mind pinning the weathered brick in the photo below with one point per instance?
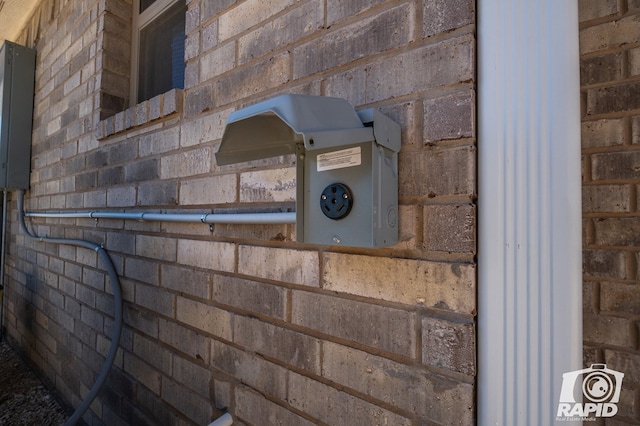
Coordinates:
(195, 407)
(601, 69)
(439, 398)
(150, 351)
(160, 248)
(268, 185)
(247, 14)
(142, 270)
(442, 15)
(92, 318)
(442, 64)
(207, 254)
(615, 165)
(258, 298)
(159, 142)
(338, 10)
(121, 197)
(617, 231)
(198, 100)
(218, 61)
(601, 133)
(628, 363)
(186, 163)
(602, 329)
(592, 9)
(329, 405)
(205, 129)
(155, 300)
(218, 189)
(449, 117)
(606, 198)
(284, 30)
(618, 98)
(204, 317)
(634, 61)
(155, 107)
(449, 171)
(185, 340)
(288, 346)
(450, 228)
(610, 35)
(380, 327)
(635, 129)
(424, 283)
(142, 170)
(193, 375)
(620, 297)
(186, 280)
(140, 320)
(147, 375)
(264, 376)
(172, 101)
(604, 263)
(255, 408)
(157, 193)
(86, 295)
(251, 80)
(110, 176)
(365, 37)
(449, 345)
(293, 266)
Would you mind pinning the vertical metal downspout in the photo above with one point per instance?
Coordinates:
(529, 208)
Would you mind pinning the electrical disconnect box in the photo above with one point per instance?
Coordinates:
(347, 164)
(17, 76)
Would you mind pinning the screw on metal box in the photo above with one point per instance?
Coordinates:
(332, 142)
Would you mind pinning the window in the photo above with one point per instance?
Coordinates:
(158, 48)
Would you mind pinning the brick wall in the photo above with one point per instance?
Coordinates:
(245, 318)
(610, 80)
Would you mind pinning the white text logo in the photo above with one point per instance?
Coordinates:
(599, 389)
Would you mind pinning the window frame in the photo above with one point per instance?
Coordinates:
(140, 21)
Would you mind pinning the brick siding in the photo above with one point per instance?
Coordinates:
(244, 318)
(609, 40)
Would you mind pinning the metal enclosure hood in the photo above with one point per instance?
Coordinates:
(346, 164)
(274, 127)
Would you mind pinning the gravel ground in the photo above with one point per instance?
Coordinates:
(24, 400)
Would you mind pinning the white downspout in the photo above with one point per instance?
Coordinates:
(529, 201)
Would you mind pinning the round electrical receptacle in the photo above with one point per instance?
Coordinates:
(336, 201)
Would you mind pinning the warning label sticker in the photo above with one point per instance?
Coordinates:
(340, 159)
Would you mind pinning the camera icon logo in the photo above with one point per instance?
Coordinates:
(593, 391)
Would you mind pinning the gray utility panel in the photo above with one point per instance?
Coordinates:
(17, 76)
(347, 164)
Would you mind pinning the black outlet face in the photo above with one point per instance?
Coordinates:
(336, 201)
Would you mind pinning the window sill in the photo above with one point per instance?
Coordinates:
(139, 115)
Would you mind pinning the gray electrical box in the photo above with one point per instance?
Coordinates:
(17, 76)
(347, 164)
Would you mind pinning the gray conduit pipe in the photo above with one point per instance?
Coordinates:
(117, 312)
(209, 218)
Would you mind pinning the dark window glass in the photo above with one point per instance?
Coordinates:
(161, 64)
(144, 4)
